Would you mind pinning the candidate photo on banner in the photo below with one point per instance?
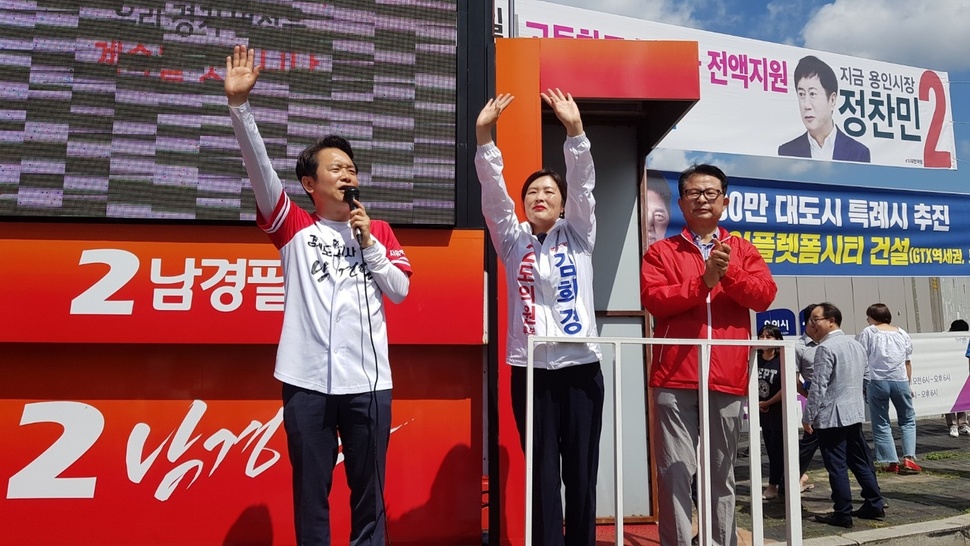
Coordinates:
(817, 89)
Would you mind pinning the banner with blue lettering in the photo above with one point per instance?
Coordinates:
(824, 230)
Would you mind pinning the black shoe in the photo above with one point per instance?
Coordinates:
(868, 512)
(835, 520)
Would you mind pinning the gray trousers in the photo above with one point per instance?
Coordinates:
(676, 426)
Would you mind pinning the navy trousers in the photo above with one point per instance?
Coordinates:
(568, 422)
(844, 449)
(807, 447)
(313, 421)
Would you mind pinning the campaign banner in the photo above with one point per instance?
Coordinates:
(198, 284)
(941, 374)
(764, 99)
(188, 447)
(825, 230)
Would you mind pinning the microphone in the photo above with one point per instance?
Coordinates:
(351, 193)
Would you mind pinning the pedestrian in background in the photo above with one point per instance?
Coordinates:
(835, 411)
(804, 358)
(769, 398)
(957, 422)
(889, 348)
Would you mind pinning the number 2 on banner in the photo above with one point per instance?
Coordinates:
(930, 81)
(122, 266)
(83, 425)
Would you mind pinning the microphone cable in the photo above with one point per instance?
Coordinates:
(373, 392)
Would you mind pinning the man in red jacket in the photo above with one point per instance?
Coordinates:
(700, 284)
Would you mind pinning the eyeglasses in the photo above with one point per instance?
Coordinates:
(814, 320)
(710, 193)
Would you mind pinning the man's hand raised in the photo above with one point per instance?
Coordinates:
(241, 74)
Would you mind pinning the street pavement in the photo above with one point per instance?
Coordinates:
(932, 507)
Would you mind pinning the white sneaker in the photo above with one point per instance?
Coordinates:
(954, 433)
(965, 429)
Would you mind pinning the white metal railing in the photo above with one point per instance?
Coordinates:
(790, 427)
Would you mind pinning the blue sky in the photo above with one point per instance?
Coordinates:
(924, 34)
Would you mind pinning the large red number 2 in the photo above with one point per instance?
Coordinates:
(930, 81)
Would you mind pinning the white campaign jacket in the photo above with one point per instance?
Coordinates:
(550, 284)
(334, 336)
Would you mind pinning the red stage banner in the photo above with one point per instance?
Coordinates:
(184, 445)
(157, 284)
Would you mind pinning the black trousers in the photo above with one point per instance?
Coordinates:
(568, 416)
(807, 446)
(312, 421)
(775, 449)
(844, 449)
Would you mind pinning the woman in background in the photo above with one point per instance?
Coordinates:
(769, 398)
(890, 372)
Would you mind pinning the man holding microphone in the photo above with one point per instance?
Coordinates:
(332, 357)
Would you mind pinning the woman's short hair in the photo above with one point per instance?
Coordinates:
(771, 330)
(880, 313)
(556, 177)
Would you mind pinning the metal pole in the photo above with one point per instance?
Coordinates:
(754, 452)
(529, 426)
(618, 441)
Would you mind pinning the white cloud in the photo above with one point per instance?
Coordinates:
(923, 34)
(783, 21)
(664, 159)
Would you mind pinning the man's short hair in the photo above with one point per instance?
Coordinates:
(959, 325)
(701, 169)
(306, 164)
(813, 66)
(807, 311)
(831, 311)
(806, 314)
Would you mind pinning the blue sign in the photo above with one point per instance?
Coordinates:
(784, 319)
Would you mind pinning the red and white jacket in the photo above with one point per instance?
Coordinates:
(673, 291)
(334, 336)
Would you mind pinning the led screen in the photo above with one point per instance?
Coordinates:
(116, 109)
